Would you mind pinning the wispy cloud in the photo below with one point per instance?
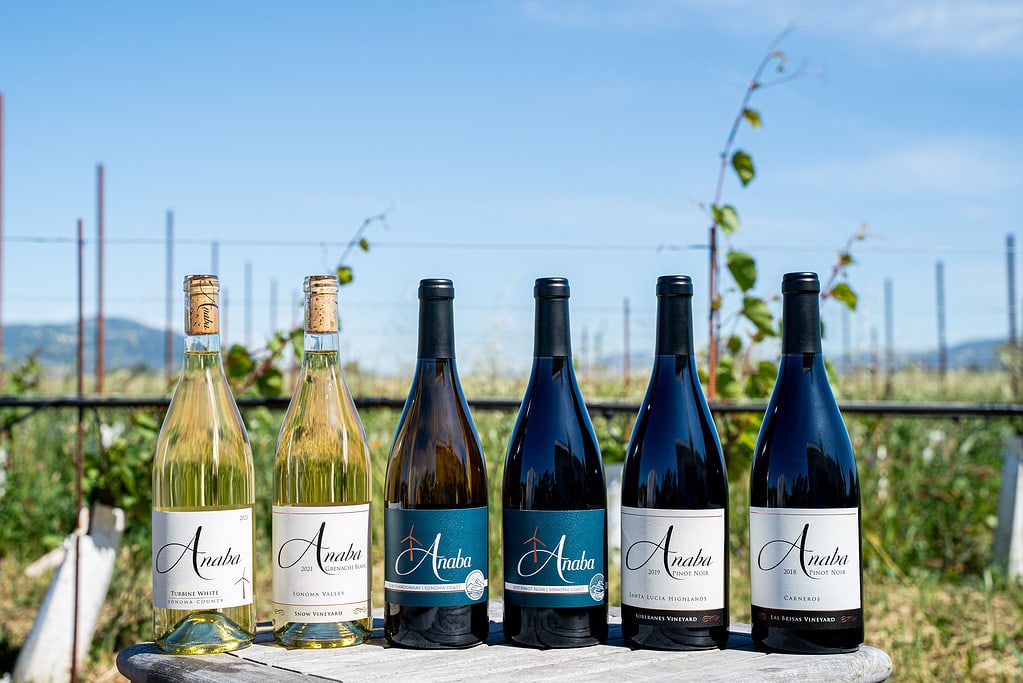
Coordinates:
(945, 167)
(961, 27)
(977, 27)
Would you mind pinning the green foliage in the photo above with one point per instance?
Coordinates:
(726, 218)
(125, 448)
(948, 522)
(844, 293)
(752, 116)
(743, 269)
(756, 311)
(743, 165)
(238, 363)
(255, 371)
(23, 378)
(740, 373)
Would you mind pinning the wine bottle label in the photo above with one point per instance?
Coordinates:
(320, 563)
(805, 567)
(673, 566)
(555, 558)
(436, 557)
(203, 559)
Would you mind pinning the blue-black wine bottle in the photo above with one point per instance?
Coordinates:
(555, 511)
(436, 538)
(806, 584)
(674, 498)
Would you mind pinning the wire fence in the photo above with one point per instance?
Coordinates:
(603, 408)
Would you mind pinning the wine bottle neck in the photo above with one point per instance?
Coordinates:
(551, 335)
(321, 341)
(436, 328)
(801, 323)
(202, 343)
(674, 326)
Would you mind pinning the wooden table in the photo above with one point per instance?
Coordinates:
(614, 661)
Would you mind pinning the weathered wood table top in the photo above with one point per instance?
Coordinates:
(375, 661)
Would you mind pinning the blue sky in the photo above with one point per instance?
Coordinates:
(508, 140)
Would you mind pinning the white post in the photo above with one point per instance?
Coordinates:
(46, 655)
(613, 477)
(1008, 550)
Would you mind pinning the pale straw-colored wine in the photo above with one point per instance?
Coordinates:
(320, 558)
(203, 531)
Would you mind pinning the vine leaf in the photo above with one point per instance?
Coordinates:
(344, 275)
(743, 165)
(743, 269)
(726, 217)
(270, 383)
(239, 362)
(752, 116)
(734, 344)
(844, 293)
(364, 244)
(298, 342)
(755, 310)
(728, 385)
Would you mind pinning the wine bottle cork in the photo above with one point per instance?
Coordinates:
(321, 304)
(202, 304)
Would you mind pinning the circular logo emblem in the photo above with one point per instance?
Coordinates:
(597, 587)
(475, 584)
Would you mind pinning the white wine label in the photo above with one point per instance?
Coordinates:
(805, 560)
(202, 560)
(320, 563)
(673, 562)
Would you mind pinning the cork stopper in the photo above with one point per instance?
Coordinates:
(202, 305)
(321, 304)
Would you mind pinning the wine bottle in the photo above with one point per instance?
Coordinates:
(674, 498)
(436, 527)
(320, 538)
(203, 482)
(806, 586)
(555, 511)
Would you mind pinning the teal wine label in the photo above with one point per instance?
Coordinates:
(554, 558)
(435, 558)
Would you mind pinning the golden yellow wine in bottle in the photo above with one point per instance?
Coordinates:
(203, 533)
(321, 496)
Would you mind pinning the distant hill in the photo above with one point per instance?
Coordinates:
(971, 355)
(978, 355)
(133, 345)
(128, 344)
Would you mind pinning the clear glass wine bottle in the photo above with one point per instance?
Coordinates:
(203, 495)
(321, 504)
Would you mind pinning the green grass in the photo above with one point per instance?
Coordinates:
(930, 491)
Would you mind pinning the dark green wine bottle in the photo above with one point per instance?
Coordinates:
(555, 514)
(806, 586)
(674, 498)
